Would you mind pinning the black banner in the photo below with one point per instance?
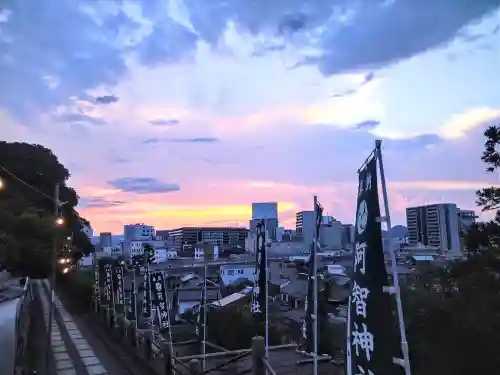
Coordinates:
(259, 305)
(308, 324)
(200, 315)
(97, 291)
(120, 298)
(108, 286)
(146, 297)
(159, 296)
(175, 305)
(371, 345)
(131, 301)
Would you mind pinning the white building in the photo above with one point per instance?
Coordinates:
(136, 247)
(231, 272)
(136, 232)
(434, 225)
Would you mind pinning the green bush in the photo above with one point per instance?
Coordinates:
(77, 288)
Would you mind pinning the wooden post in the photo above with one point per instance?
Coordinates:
(167, 356)
(148, 345)
(194, 367)
(258, 352)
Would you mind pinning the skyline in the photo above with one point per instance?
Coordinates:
(180, 113)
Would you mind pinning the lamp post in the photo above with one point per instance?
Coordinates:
(59, 222)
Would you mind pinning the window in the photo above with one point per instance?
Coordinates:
(240, 272)
(230, 273)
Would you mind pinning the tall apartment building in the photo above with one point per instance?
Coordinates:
(267, 211)
(434, 225)
(105, 240)
(206, 235)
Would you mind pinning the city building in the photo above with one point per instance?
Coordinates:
(330, 233)
(235, 237)
(466, 219)
(434, 225)
(269, 212)
(347, 236)
(162, 234)
(305, 223)
(229, 273)
(105, 240)
(136, 233)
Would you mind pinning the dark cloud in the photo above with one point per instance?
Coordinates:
(106, 99)
(194, 140)
(348, 35)
(366, 125)
(154, 140)
(56, 50)
(99, 202)
(380, 35)
(151, 140)
(143, 185)
(169, 41)
(120, 160)
(81, 118)
(164, 122)
(367, 79)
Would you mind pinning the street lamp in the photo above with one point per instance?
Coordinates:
(59, 221)
(1, 184)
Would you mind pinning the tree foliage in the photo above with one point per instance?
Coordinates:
(453, 314)
(27, 225)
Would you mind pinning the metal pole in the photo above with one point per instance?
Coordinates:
(52, 277)
(267, 288)
(315, 291)
(205, 320)
(404, 343)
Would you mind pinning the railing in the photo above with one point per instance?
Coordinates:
(15, 303)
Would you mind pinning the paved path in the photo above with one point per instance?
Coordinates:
(72, 354)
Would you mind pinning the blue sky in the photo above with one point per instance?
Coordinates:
(184, 112)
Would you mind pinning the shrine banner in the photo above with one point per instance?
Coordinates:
(159, 296)
(371, 343)
(259, 304)
(308, 333)
(146, 297)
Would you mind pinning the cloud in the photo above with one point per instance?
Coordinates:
(74, 53)
(78, 117)
(165, 122)
(366, 125)
(143, 185)
(168, 42)
(459, 125)
(151, 140)
(194, 140)
(346, 36)
(106, 99)
(98, 202)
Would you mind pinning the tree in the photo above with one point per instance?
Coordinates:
(453, 313)
(27, 225)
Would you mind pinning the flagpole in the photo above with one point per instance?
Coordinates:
(315, 293)
(205, 319)
(267, 290)
(404, 343)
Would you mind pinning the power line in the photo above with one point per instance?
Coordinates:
(26, 184)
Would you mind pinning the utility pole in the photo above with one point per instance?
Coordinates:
(52, 276)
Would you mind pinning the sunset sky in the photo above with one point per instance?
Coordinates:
(179, 112)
